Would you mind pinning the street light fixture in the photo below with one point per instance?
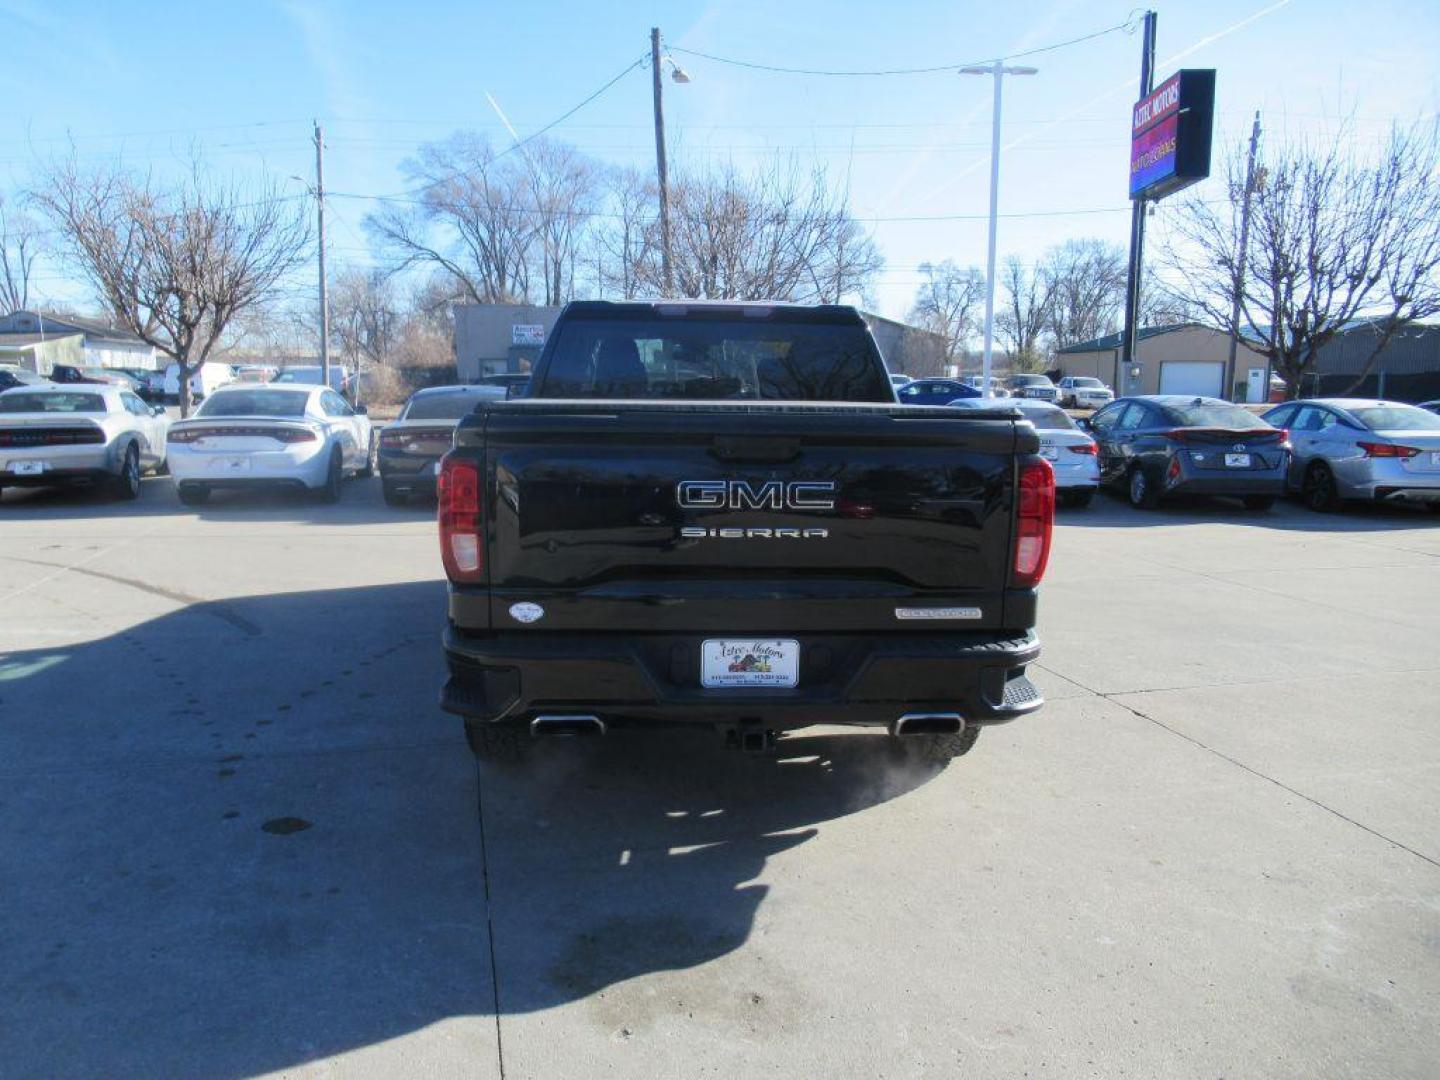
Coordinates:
(998, 71)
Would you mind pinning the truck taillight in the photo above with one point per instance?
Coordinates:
(458, 489)
(1034, 520)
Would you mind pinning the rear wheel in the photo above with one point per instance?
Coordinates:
(127, 484)
(1318, 488)
(330, 492)
(193, 494)
(1258, 502)
(503, 742)
(1142, 493)
(372, 458)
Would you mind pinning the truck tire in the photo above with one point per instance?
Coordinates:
(503, 742)
(938, 749)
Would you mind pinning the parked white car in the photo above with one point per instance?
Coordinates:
(249, 436)
(1084, 392)
(1071, 452)
(99, 434)
(204, 381)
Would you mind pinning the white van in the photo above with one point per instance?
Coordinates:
(203, 382)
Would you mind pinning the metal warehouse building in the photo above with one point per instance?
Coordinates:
(1183, 358)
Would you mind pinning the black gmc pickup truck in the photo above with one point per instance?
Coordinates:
(717, 514)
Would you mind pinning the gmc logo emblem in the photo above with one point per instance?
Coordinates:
(742, 495)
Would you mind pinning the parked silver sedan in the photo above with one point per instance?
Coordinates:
(79, 433)
(1361, 449)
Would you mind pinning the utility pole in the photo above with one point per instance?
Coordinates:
(1240, 263)
(660, 161)
(998, 70)
(320, 225)
(1137, 225)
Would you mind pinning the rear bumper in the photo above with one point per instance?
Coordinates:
(57, 477)
(408, 472)
(654, 679)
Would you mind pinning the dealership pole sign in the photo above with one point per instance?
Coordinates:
(1170, 134)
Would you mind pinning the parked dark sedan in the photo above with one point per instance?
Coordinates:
(411, 447)
(934, 392)
(1154, 447)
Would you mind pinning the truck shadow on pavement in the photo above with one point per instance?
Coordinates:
(240, 836)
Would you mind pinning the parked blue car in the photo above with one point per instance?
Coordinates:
(934, 392)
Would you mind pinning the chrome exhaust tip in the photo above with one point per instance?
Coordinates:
(567, 725)
(928, 724)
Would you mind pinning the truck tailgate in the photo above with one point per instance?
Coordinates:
(744, 517)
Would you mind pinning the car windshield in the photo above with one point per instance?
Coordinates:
(1029, 380)
(1396, 418)
(257, 402)
(1214, 414)
(1088, 383)
(51, 402)
(714, 359)
(441, 406)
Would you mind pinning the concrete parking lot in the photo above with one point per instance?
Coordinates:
(237, 837)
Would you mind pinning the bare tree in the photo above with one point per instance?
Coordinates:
(947, 304)
(625, 245)
(770, 235)
(468, 219)
(364, 315)
(1086, 284)
(19, 245)
(174, 263)
(1025, 315)
(1332, 238)
(562, 186)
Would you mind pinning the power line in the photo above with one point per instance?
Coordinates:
(1127, 25)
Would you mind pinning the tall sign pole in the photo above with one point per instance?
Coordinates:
(320, 229)
(1240, 262)
(660, 173)
(1137, 225)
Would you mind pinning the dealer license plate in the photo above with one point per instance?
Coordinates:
(1048, 451)
(234, 464)
(28, 468)
(435, 468)
(1435, 458)
(749, 662)
(1237, 461)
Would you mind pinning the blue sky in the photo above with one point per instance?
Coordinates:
(144, 79)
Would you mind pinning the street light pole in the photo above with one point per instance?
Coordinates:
(1240, 256)
(998, 70)
(320, 229)
(660, 161)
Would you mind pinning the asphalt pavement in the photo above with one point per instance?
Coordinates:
(237, 836)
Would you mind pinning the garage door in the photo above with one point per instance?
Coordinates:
(1203, 380)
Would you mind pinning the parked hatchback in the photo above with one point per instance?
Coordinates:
(1155, 447)
(1361, 449)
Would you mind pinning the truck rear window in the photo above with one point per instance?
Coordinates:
(713, 360)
